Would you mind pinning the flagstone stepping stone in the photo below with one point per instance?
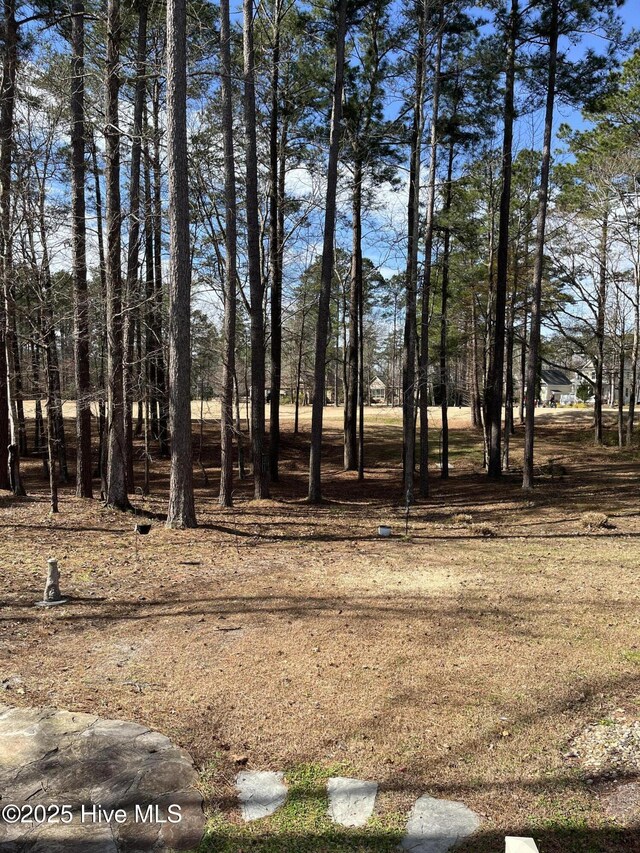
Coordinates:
(261, 793)
(351, 801)
(435, 826)
(95, 767)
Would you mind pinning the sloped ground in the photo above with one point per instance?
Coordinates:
(279, 635)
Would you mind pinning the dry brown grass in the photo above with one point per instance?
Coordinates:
(290, 633)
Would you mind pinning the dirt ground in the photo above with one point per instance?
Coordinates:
(437, 661)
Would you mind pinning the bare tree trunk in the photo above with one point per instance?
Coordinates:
(19, 391)
(39, 441)
(444, 367)
(635, 354)
(84, 486)
(7, 103)
(161, 378)
(276, 201)
(353, 349)
(256, 284)
(296, 420)
(51, 456)
(181, 512)
(536, 302)
(621, 432)
(326, 275)
(4, 404)
(54, 401)
(423, 383)
(600, 329)
(523, 356)
(133, 249)
(360, 296)
(116, 474)
(509, 428)
(239, 435)
(495, 378)
(230, 294)
(476, 396)
(411, 275)
(103, 337)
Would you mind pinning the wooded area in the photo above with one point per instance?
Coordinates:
(347, 204)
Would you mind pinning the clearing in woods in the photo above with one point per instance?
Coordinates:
(283, 636)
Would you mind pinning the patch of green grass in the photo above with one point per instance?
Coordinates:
(569, 822)
(302, 825)
(632, 656)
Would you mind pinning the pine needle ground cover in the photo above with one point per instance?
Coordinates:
(287, 637)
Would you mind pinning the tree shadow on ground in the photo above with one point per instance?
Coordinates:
(549, 840)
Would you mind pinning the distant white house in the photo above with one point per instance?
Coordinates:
(377, 391)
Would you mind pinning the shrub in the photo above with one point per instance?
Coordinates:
(594, 520)
(485, 530)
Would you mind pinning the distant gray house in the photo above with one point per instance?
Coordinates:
(555, 383)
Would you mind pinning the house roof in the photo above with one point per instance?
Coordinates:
(376, 382)
(555, 377)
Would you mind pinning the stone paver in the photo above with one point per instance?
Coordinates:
(434, 826)
(261, 793)
(514, 844)
(351, 801)
(50, 757)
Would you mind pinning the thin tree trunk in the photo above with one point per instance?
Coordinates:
(360, 296)
(256, 283)
(621, 432)
(230, 294)
(161, 378)
(353, 348)
(239, 435)
(4, 403)
(151, 343)
(51, 456)
(103, 336)
(523, 356)
(495, 379)
(181, 512)
(600, 329)
(536, 302)
(116, 474)
(476, 397)
(19, 391)
(509, 428)
(276, 200)
(84, 486)
(7, 103)
(133, 248)
(411, 274)
(444, 368)
(39, 441)
(635, 354)
(423, 389)
(299, 372)
(53, 366)
(326, 275)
